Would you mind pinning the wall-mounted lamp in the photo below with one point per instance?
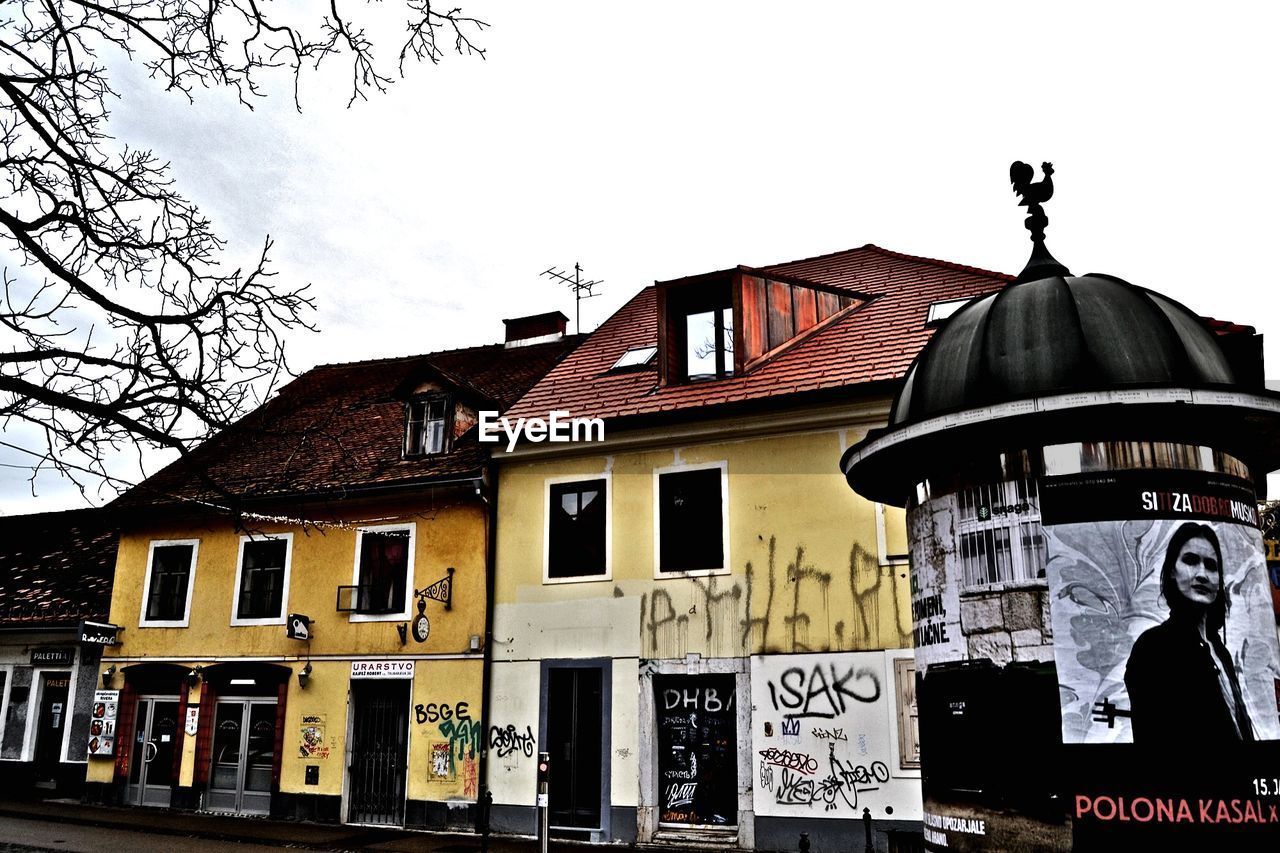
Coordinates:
(107, 675)
(304, 675)
(193, 677)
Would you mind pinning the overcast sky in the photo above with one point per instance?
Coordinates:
(654, 140)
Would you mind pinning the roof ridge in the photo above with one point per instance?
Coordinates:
(950, 265)
(387, 359)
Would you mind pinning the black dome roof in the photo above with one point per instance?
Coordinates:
(1059, 334)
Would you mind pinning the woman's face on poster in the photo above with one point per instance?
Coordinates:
(1196, 573)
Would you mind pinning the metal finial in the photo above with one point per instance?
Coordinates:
(1034, 195)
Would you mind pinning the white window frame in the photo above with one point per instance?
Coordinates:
(943, 310)
(410, 526)
(608, 527)
(143, 622)
(726, 569)
(8, 669)
(882, 542)
(36, 701)
(236, 620)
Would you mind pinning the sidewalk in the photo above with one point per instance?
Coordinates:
(281, 833)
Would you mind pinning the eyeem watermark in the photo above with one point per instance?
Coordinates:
(559, 427)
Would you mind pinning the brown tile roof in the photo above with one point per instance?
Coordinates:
(874, 342)
(341, 426)
(56, 568)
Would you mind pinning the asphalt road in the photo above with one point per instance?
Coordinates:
(21, 835)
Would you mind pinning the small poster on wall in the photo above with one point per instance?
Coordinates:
(102, 722)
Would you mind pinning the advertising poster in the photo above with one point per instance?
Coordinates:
(312, 744)
(1103, 671)
(102, 722)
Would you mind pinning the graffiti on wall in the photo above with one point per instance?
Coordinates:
(456, 756)
(821, 738)
(724, 617)
(508, 740)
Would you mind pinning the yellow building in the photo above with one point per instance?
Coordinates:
(694, 616)
(307, 639)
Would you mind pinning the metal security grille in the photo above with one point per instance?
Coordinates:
(379, 735)
(1000, 536)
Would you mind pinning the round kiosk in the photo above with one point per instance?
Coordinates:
(1095, 638)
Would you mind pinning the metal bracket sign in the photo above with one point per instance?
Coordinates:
(298, 627)
(441, 590)
(98, 633)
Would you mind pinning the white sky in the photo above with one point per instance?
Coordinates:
(654, 140)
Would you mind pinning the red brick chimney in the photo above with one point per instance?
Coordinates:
(535, 329)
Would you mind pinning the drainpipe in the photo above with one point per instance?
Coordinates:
(484, 800)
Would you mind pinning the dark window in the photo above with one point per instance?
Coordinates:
(262, 579)
(170, 576)
(425, 426)
(690, 519)
(576, 544)
(384, 570)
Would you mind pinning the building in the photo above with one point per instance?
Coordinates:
(55, 571)
(707, 632)
(303, 620)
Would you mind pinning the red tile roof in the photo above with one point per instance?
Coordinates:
(340, 427)
(56, 568)
(874, 342)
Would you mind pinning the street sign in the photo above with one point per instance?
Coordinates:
(298, 627)
(98, 633)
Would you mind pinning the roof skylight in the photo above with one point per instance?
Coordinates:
(940, 311)
(635, 357)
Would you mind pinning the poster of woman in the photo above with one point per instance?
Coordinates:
(1163, 627)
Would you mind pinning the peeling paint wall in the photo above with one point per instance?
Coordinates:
(805, 572)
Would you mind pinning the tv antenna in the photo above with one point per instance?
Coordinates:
(581, 289)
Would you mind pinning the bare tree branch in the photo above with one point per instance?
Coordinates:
(120, 325)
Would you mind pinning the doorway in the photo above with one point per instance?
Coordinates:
(151, 761)
(244, 743)
(574, 741)
(379, 751)
(697, 750)
(51, 724)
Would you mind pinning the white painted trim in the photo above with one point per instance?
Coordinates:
(33, 709)
(299, 658)
(146, 585)
(1130, 397)
(7, 668)
(607, 476)
(723, 465)
(882, 541)
(236, 621)
(410, 572)
(71, 703)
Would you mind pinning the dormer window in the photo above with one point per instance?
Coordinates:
(699, 341)
(425, 426)
(724, 324)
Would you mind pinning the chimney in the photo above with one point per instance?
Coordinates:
(535, 329)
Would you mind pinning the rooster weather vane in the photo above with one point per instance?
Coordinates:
(1033, 196)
